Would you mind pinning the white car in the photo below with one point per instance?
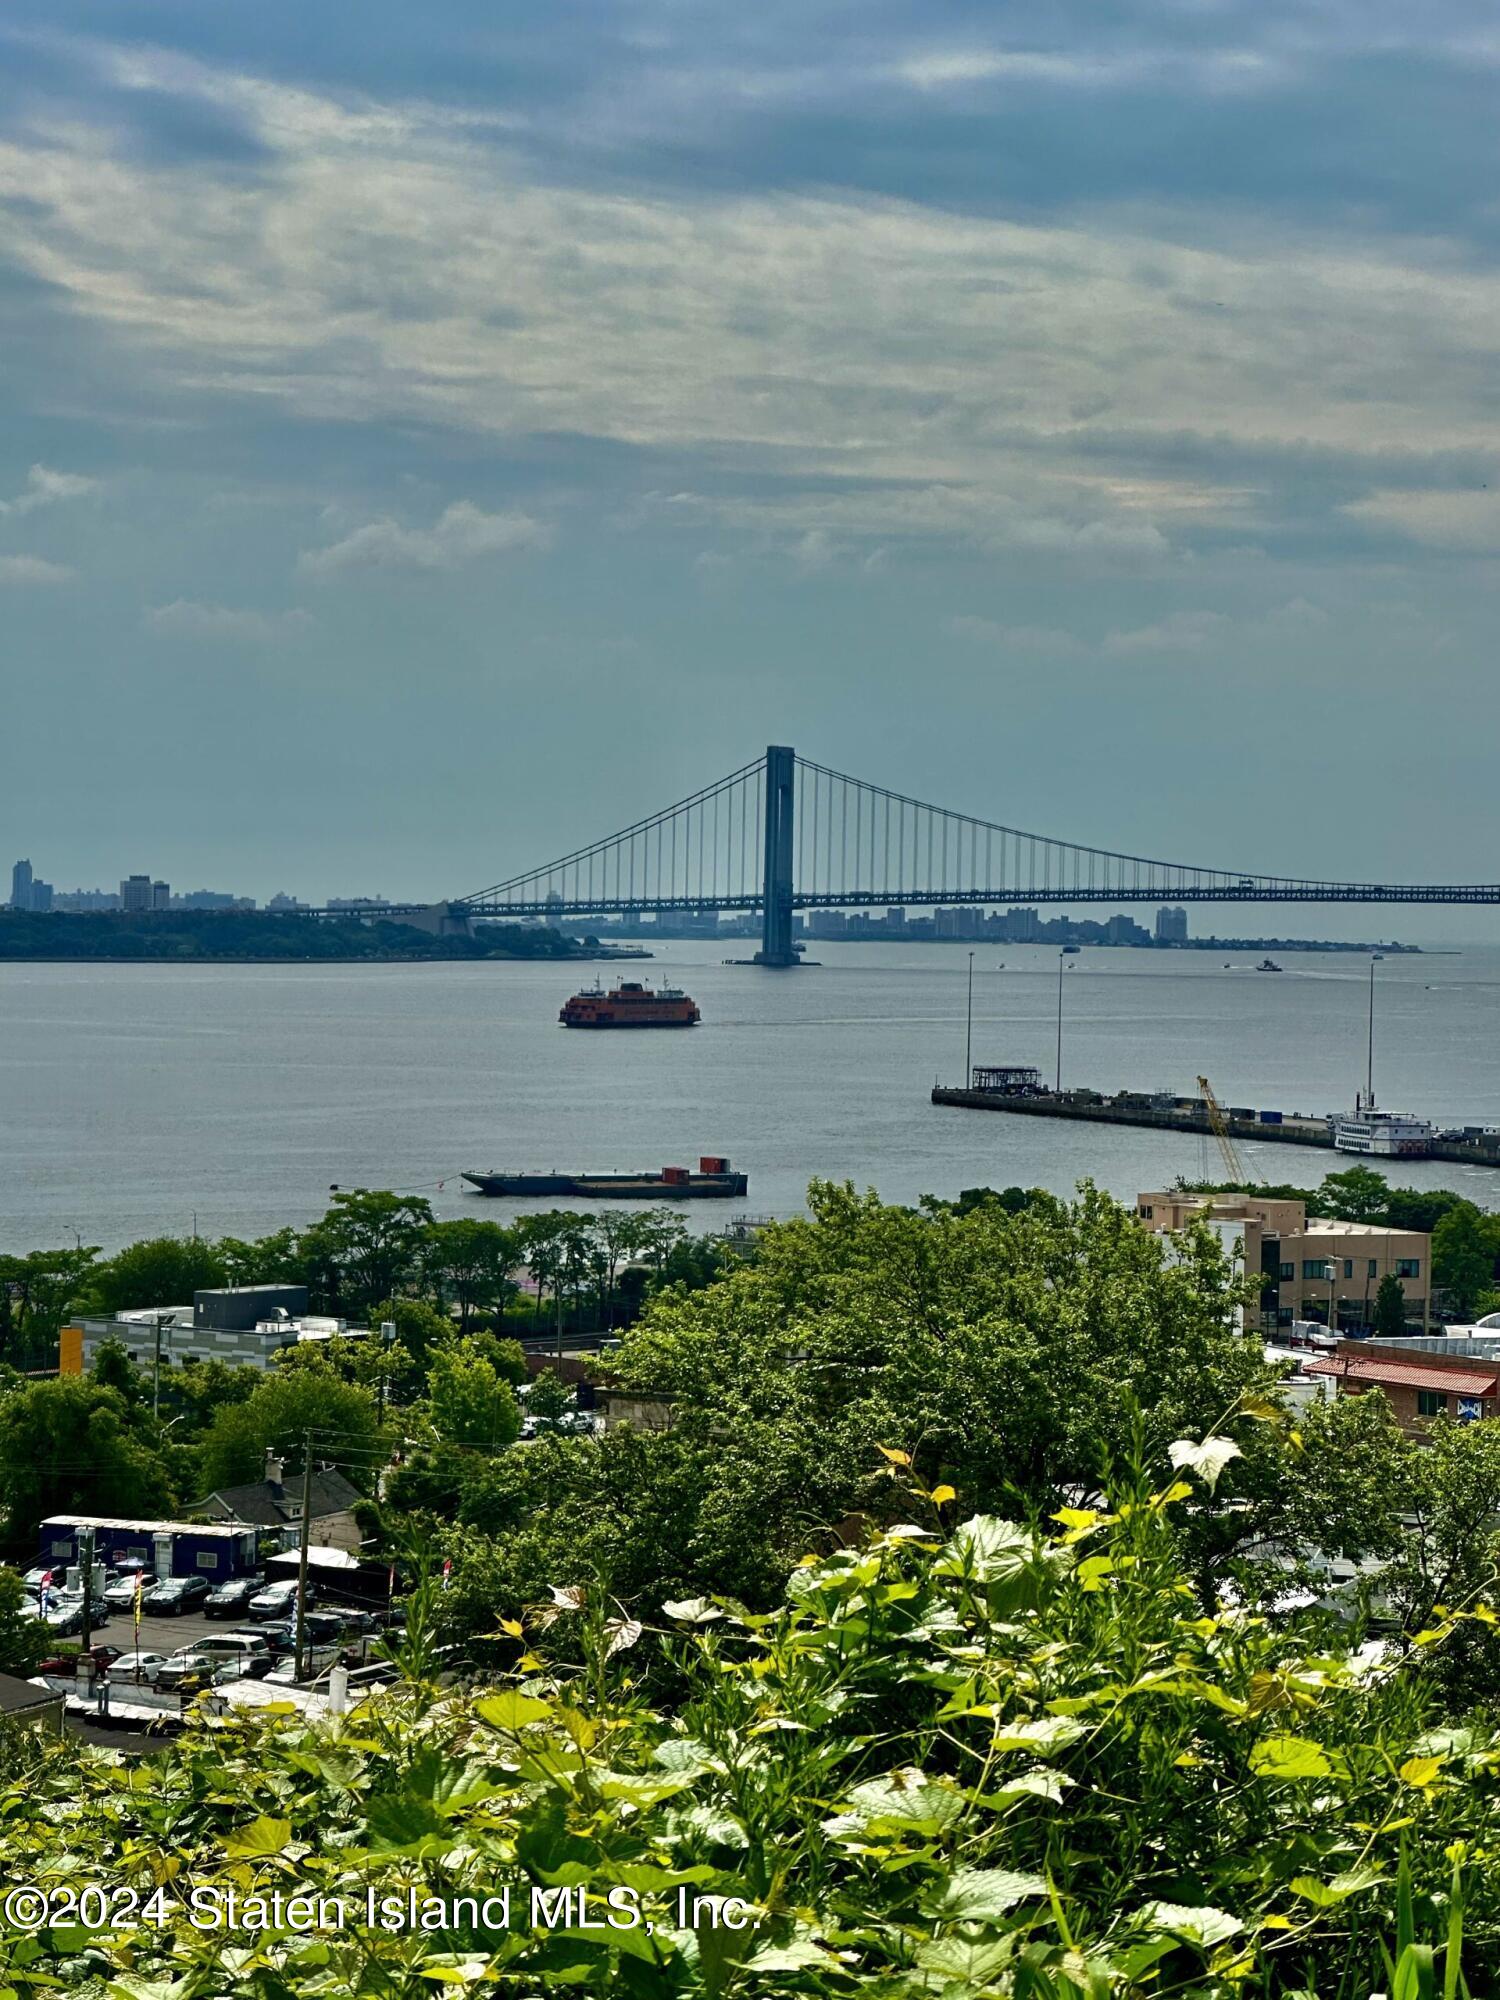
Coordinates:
(133, 1668)
(232, 1655)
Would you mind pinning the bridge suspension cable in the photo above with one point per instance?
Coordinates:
(701, 853)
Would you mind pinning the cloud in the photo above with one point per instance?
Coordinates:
(184, 619)
(1108, 381)
(44, 488)
(1460, 522)
(1039, 641)
(32, 569)
(461, 534)
(1209, 69)
(1182, 632)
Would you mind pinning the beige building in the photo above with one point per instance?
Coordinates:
(1309, 1270)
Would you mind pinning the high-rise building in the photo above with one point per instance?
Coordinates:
(1171, 926)
(135, 894)
(20, 886)
(41, 896)
(161, 895)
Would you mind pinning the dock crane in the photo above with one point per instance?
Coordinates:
(1234, 1166)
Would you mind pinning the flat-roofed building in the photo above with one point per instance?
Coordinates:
(1310, 1268)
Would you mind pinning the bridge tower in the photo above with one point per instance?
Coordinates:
(777, 883)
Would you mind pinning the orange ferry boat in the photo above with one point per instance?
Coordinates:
(632, 1004)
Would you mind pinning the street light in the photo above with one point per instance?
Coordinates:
(969, 1031)
(387, 1340)
(1376, 958)
(1061, 961)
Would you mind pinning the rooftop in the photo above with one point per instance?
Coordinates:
(1449, 1378)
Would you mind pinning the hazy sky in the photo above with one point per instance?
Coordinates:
(431, 436)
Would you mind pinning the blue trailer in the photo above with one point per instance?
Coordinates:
(165, 1548)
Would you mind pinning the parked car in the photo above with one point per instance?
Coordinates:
(232, 1599)
(64, 1666)
(317, 1661)
(133, 1667)
(33, 1577)
(323, 1629)
(64, 1614)
(250, 1649)
(236, 1656)
(279, 1599)
(120, 1591)
(173, 1595)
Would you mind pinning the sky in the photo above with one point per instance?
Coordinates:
(433, 437)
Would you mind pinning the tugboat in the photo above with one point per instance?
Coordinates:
(631, 1004)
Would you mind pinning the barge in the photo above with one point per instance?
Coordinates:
(715, 1179)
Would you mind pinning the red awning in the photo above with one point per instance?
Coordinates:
(1432, 1374)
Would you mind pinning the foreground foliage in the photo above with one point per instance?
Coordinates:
(961, 1760)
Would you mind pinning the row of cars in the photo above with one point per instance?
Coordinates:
(166, 1597)
(266, 1653)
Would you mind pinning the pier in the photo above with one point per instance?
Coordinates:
(1190, 1114)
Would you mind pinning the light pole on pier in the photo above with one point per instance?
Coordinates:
(1376, 958)
(1061, 961)
(969, 1031)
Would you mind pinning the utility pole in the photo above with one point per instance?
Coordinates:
(304, 1543)
(969, 1032)
(86, 1563)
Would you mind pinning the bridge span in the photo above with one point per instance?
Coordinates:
(783, 834)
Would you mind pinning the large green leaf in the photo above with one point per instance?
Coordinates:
(1289, 1757)
(983, 1895)
(261, 1837)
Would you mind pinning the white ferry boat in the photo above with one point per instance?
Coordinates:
(1387, 1134)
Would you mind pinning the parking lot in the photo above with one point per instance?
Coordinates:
(171, 1635)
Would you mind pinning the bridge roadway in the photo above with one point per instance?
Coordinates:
(1483, 893)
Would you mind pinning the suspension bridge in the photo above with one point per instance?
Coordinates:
(784, 834)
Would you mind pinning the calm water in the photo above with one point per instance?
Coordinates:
(136, 1098)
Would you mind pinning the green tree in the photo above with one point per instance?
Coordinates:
(550, 1398)
(420, 1327)
(22, 1634)
(1004, 1351)
(374, 1241)
(284, 1408)
(468, 1402)
(38, 1292)
(1390, 1308)
(1358, 1194)
(506, 1357)
(469, 1263)
(158, 1271)
(114, 1369)
(1463, 1259)
(67, 1443)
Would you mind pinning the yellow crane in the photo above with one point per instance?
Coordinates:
(1234, 1166)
